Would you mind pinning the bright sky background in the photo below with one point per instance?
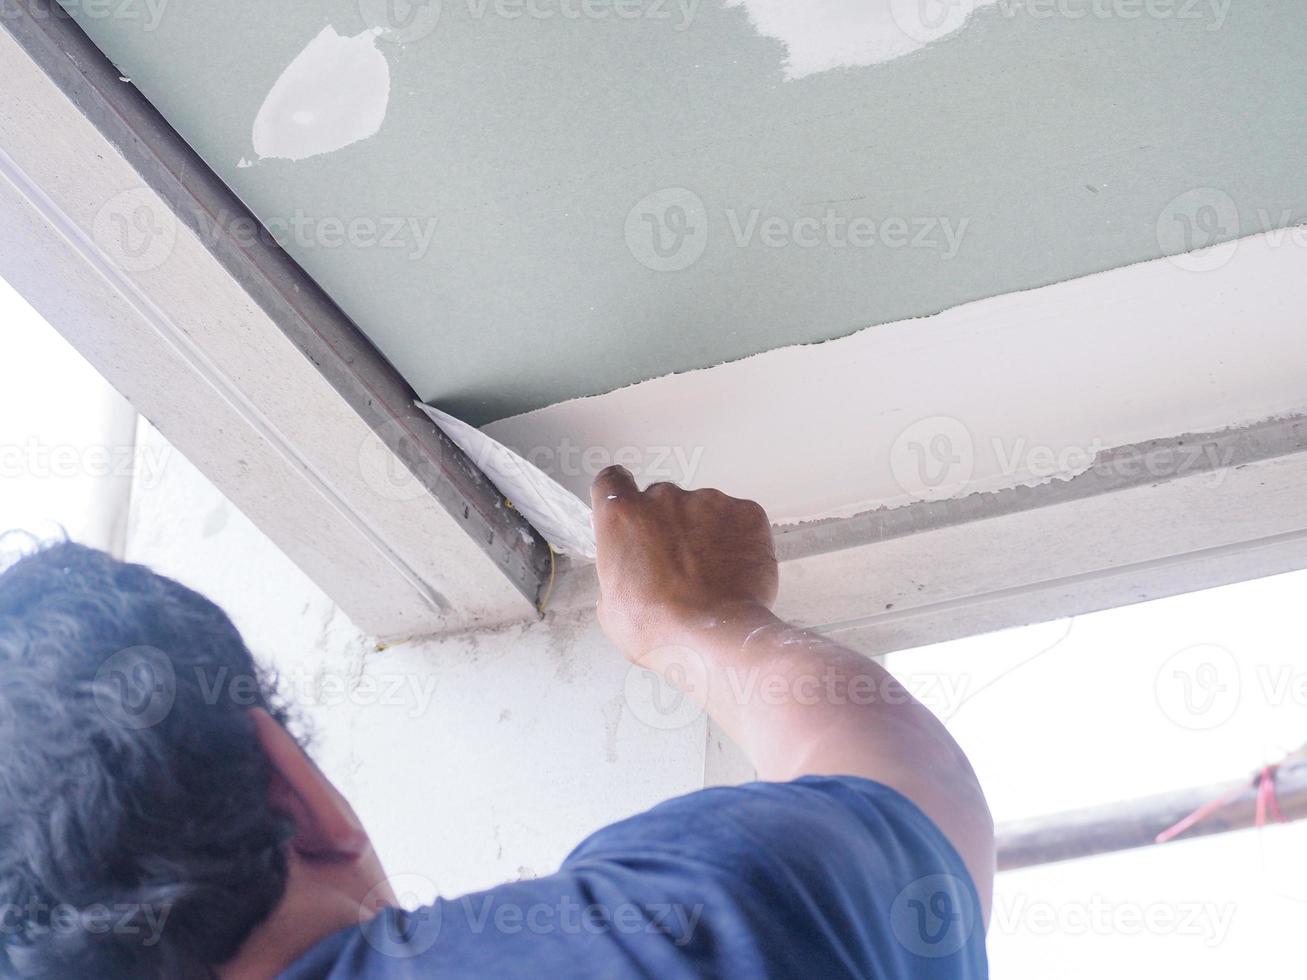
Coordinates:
(1093, 710)
(55, 424)
(1181, 692)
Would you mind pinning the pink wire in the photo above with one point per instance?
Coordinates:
(1266, 800)
(1199, 815)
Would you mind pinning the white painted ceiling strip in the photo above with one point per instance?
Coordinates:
(1012, 391)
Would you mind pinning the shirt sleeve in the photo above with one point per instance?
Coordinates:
(823, 876)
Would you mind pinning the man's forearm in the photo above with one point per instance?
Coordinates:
(687, 579)
(782, 693)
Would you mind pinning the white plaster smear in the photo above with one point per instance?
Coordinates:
(1016, 390)
(335, 92)
(824, 34)
(563, 520)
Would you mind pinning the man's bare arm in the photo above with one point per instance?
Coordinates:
(687, 580)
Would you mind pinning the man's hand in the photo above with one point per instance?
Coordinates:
(672, 562)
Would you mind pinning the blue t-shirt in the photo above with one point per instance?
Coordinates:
(824, 877)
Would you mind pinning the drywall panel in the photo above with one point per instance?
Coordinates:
(1011, 391)
(526, 202)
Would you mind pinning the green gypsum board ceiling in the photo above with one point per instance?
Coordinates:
(522, 203)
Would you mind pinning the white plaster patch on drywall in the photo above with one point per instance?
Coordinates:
(1017, 390)
(335, 92)
(824, 34)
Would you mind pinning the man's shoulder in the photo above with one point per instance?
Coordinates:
(784, 815)
(823, 876)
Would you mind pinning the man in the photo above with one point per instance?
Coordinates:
(190, 835)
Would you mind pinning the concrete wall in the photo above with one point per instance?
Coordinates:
(472, 760)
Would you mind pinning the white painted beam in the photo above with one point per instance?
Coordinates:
(1144, 522)
(121, 237)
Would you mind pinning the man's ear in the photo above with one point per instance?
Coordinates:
(326, 827)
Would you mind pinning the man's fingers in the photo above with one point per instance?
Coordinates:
(612, 484)
(662, 489)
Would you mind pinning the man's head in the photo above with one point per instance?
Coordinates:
(154, 812)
